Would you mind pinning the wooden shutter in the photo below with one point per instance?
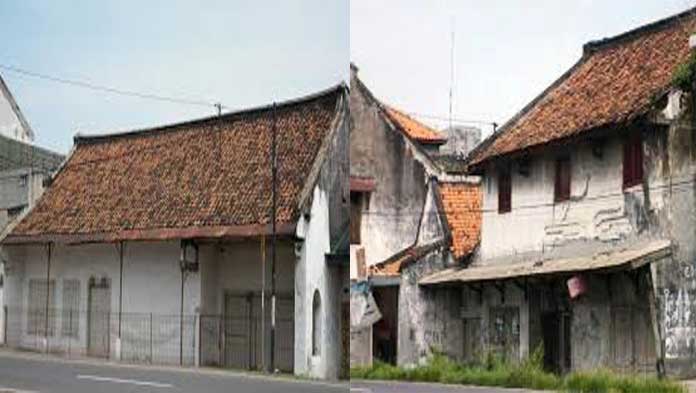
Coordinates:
(632, 161)
(562, 183)
(355, 217)
(504, 191)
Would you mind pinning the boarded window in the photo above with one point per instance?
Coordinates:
(356, 203)
(633, 161)
(71, 308)
(36, 321)
(561, 190)
(504, 191)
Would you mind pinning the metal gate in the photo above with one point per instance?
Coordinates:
(99, 312)
(243, 334)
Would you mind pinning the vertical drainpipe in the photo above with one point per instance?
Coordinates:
(263, 301)
(120, 288)
(49, 247)
(182, 263)
(274, 175)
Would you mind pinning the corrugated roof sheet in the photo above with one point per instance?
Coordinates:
(630, 257)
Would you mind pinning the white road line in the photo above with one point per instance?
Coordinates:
(360, 390)
(125, 381)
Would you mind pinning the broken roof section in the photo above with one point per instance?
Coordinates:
(624, 259)
(459, 205)
(391, 267)
(616, 81)
(203, 178)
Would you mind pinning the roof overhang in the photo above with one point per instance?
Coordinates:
(203, 232)
(604, 262)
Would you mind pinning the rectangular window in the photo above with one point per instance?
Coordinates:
(356, 207)
(561, 190)
(71, 308)
(504, 191)
(633, 161)
(36, 321)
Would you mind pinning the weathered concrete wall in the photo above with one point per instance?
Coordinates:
(151, 284)
(377, 151)
(603, 216)
(460, 140)
(429, 319)
(599, 213)
(314, 275)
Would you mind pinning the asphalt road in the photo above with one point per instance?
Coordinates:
(27, 373)
(402, 387)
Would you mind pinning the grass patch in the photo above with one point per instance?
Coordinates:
(528, 374)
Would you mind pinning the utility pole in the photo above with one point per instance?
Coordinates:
(274, 186)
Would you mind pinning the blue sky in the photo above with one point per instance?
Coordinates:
(240, 53)
(506, 52)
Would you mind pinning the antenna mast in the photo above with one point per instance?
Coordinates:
(451, 86)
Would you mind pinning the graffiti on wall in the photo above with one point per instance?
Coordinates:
(679, 323)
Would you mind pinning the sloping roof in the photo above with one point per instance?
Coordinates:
(626, 258)
(413, 128)
(616, 81)
(461, 203)
(15, 154)
(203, 178)
(391, 266)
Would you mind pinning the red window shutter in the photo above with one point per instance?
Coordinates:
(504, 191)
(633, 161)
(562, 180)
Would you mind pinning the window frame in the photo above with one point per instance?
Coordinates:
(504, 179)
(633, 158)
(316, 323)
(562, 185)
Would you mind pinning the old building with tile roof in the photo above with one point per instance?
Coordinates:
(176, 221)
(587, 219)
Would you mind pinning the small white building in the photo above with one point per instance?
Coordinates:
(157, 245)
(12, 122)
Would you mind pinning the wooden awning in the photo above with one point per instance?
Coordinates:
(628, 258)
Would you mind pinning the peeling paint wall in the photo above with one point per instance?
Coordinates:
(390, 222)
(429, 319)
(602, 216)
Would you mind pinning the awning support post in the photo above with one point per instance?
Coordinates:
(657, 327)
(49, 249)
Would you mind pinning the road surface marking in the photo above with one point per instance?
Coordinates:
(125, 381)
(363, 390)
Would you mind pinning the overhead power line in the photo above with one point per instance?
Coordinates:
(673, 187)
(112, 90)
(454, 119)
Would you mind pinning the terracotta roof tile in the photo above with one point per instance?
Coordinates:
(208, 173)
(615, 81)
(413, 128)
(391, 266)
(462, 207)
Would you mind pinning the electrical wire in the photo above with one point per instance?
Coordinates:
(596, 198)
(112, 90)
